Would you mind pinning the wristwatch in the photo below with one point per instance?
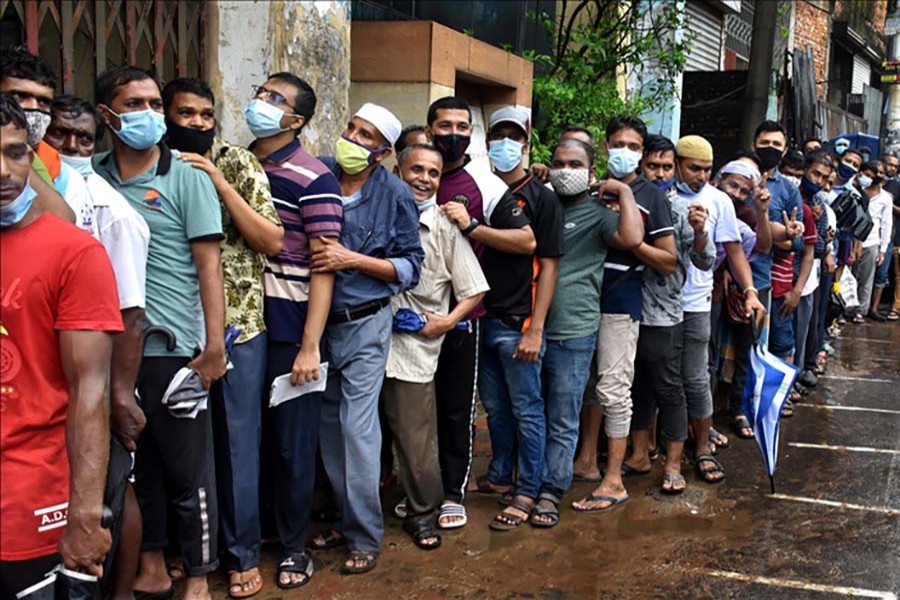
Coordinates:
(473, 223)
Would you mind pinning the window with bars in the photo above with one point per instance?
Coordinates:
(82, 38)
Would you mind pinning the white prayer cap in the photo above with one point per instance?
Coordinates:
(740, 167)
(383, 120)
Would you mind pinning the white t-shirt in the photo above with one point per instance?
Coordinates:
(880, 210)
(126, 237)
(71, 186)
(722, 226)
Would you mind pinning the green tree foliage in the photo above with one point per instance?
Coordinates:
(594, 41)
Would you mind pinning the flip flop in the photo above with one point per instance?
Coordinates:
(717, 438)
(237, 579)
(453, 509)
(370, 559)
(672, 479)
(332, 539)
(400, 510)
(483, 486)
(592, 498)
(893, 316)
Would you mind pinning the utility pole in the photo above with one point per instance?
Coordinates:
(892, 129)
(756, 94)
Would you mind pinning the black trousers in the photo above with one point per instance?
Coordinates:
(455, 385)
(17, 575)
(174, 466)
(742, 340)
(657, 382)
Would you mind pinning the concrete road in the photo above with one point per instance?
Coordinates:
(832, 530)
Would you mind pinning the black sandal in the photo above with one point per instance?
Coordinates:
(706, 474)
(331, 539)
(551, 513)
(505, 521)
(295, 562)
(718, 439)
(420, 530)
(370, 559)
(739, 424)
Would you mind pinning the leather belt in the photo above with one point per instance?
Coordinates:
(345, 315)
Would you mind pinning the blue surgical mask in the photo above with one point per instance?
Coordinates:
(685, 189)
(263, 119)
(809, 187)
(425, 205)
(82, 164)
(16, 210)
(864, 181)
(665, 185)
(846, 172)
(505, 154)
(141, 129)
(623, 162)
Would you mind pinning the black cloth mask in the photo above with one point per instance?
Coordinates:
(188, 139)
(769, 157)
(452, 146)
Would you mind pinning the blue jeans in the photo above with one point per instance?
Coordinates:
(565, 371)
(802, 319)
(881, 271)
(510, 390)
(237, 424)
(781, 331)
(350, 435)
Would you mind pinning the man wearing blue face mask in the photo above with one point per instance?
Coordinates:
(378, 256)
(185, 293)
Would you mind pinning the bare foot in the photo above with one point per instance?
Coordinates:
(195, 588)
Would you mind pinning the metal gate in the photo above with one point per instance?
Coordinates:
(82, 38)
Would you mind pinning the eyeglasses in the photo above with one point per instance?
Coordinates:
(269, 95)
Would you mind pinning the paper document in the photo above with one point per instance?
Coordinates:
(282, 390)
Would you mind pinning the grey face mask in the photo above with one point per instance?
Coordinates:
(38, 122)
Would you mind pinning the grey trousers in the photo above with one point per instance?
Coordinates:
(412, 417)
(864, 271)
(695, 365)
(350, 433)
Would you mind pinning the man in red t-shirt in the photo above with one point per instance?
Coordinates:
(58, 307)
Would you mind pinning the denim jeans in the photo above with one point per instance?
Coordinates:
(695, 364)
(802, 318)
(781, 332)
(881, 271)
(564, 375)
(510, 390)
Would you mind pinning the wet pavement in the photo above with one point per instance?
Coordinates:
(833, 530)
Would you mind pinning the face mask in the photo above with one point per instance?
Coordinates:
(665, 184)
(452, 146)
(792, 179)
(864, 181)
(423, 206)
(82, 164)
(570, 182)
(16, 210)
(623, 162)
(769, 157)
(846, 172)
(38, 122)
(505, 154)
(841, 147)
(353, 157)
(263, 119)
(141, 129)
(809, 187)
(188, 139)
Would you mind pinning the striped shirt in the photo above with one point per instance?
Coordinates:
(307, 198)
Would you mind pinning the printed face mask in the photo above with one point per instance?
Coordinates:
(570, 182)
(38, 122)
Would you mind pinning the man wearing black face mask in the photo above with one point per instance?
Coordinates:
(252, 231)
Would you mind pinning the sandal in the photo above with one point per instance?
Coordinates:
(175, 569)
(505, 520)
(238, 579)
(420, 530)
(484, 486)
(787, 411)
(452, 510)
(654, 453)
(368, 560)
(330, 539)
(672, 479)
(859, 319)
(400, 510)
(541, 509)
(893, 316)
(708, 473)
(742, 427)
(717, 438)
(295, 562)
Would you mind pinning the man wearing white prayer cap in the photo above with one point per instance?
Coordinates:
(378, 256)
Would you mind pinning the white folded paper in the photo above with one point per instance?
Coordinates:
(282, 390)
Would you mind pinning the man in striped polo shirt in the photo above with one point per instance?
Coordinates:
(308, 201)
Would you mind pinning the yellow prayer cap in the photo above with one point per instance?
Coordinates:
(694, 146)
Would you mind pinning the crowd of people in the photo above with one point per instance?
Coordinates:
(192, 329)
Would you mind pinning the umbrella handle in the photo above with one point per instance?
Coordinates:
(754, 327)
(160, 330)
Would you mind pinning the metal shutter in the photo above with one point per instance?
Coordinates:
(706, 27)
(862, 74)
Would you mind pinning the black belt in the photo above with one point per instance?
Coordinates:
(345, 315)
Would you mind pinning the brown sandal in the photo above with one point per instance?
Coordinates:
(505, 520)
(238, 579)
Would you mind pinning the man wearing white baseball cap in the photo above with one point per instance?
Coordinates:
(378, 256)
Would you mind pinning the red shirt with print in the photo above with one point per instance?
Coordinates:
(53, 277)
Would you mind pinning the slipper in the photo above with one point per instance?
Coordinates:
(672, 479)
(654, 453)
(717, 438)
(893, 316)
(592, 498)
(505, 521)
(787, 411)
(551, 512)
(421, 530)
(295, 562)
(629, 471)
(451, 510)
(740, 424)
(237, 579)
(400, 510)
(484, 486)
(583, 479)
(331, 539)
(370, 559)
(163, 595)
(706, 474)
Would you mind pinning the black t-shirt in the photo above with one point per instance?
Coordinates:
(893, 188)
(513, 276)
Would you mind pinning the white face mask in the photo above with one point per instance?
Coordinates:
(82, 164)
(864, 181)
(38, 122)
(570, 182)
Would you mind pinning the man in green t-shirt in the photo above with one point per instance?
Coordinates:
(589, 229)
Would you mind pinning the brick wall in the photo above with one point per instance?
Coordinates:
(811, 29)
